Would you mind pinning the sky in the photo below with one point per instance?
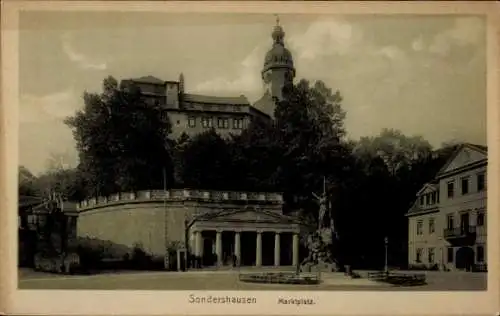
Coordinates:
(422, 75)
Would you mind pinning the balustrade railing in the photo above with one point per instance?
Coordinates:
(183, 194)
(456, 232)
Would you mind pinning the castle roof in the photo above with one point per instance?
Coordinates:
(197, 98)
(148, 79)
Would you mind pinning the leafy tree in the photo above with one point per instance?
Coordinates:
(255, 157)
(207, 157)
(122, 140)
(26, 181)
(396, 149)
(310, 133)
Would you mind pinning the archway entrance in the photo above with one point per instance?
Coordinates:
(464, 258)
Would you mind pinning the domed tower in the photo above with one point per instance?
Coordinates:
(278, 65)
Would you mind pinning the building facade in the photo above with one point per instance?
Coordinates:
(214, 226)
(447, 223)
(193, 113)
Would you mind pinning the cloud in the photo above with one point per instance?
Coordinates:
(80, 59)
(325, 37)
(418, 44)
(42, 132)
(465, 31)
(322, 38)
(246, 81)
(55, 106)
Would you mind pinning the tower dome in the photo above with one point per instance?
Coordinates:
(278, 56)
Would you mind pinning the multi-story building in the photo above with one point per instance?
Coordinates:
(447, 223)
(193, 113)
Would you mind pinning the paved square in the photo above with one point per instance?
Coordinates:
(228, 280)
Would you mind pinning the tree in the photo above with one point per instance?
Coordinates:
(122, 140)
(309, 123)
(206, 159)
(26, 182)
(256, 156)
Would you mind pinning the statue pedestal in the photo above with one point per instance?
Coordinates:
(321, 266)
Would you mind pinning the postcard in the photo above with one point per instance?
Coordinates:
(291, 158)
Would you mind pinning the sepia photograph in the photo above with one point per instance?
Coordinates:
(316, 152)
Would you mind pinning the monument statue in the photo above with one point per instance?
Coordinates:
(321, 241)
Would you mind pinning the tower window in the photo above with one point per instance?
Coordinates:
(192, 122)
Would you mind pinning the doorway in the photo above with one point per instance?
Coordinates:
(464, 259)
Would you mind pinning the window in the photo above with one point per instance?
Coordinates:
(433, 198)
(480, 219)
(481, 182)
(465, 185)
(451, 189)
(419, 255)
(222, 122)
(207, 122)
(450, 221)
(420, 225)
(450, 254)
(192, 122)
(437, 196)
(427, 202)
(238, 123)
(430, 255)
(431, 226)
(421, 200)
(480, 253)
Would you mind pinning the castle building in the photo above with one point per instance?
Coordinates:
(221, 228)
(447, 223)
(193, 113)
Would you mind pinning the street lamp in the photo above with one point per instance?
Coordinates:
(386, 243)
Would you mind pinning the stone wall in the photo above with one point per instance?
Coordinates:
(155, 219)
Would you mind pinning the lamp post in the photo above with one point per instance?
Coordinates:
(386, 244)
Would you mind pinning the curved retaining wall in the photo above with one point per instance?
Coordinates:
(155, 219)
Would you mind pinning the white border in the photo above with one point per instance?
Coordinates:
(175, 302)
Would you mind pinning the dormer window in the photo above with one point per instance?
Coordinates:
(421, 200)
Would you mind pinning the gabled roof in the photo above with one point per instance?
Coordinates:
(257, 215)
(478, 148)
(148, 79)
(431, 185)
(241, 100)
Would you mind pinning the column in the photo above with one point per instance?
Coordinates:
(258, 252)
(198, 244)
(277, 249)
(218, 247)
(237, 247)
(178, 260)
(295, 249)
